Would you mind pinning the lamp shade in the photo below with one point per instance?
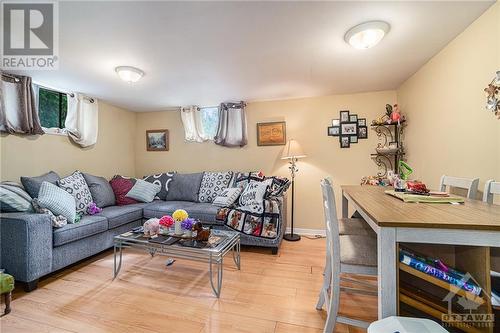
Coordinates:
(292, 150)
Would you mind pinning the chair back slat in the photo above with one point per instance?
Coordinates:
(332, 223)
(490, 189)
(469, 184)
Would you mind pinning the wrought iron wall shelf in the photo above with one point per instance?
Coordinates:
(388, 134)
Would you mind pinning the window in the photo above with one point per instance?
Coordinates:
(52, 108)
(209, 121)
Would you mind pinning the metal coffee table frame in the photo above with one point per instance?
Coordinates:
(213, 256)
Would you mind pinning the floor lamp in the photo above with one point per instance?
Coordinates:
(292, 153)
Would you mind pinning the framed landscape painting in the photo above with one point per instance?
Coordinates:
(271, 134)
(157, 140)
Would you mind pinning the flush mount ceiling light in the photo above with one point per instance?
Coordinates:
(129, 74)
(366, 35)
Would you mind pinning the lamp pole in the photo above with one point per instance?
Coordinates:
(293, 170)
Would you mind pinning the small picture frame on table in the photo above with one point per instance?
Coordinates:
(345, 142)
(344, 116)
(333, 131)
(353, 118)
(363, 132)
(361, 122)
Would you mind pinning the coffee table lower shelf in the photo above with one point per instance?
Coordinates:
(212, 256)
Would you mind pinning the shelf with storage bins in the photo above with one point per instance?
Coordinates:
(423, 295)
(390, 137)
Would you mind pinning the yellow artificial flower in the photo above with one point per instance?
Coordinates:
(180, 215)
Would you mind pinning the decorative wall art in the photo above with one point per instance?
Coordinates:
(349, 128)
(271, 134)
(157, 140)
(493, 99)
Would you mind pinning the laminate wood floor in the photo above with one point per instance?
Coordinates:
(271, 293)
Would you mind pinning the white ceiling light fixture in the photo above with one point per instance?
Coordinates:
(367, 35)
(129, 74)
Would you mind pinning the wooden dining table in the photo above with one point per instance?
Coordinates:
(473, 223)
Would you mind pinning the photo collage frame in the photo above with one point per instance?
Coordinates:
(349, 128)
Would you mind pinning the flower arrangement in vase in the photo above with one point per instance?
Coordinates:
(166, 223)
(179, 216)
(187, 225)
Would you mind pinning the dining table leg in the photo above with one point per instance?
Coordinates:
(387, 256)
(345, 206)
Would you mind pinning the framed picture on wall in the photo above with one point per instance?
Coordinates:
(271, 134)
(344, 116)
(333, 131)
(361, 122)
(353, 117)
(157, 140)
(345, 142)
(350, 128)
(363, 132)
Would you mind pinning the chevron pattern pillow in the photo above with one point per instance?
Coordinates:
(13, 198)
(58, 201)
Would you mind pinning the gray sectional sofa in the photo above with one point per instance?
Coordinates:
(32, 248)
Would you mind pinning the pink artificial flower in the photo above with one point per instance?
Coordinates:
(167, 221)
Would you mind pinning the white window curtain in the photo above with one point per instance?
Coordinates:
(232, 131)
(193, 124)
(82, 119)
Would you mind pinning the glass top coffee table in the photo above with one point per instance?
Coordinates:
(229, 241)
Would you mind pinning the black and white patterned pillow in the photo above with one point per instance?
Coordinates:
(162, 179)
(76, 185)
(241, 179)
(212, 184)
(252, 198)
(278, 186)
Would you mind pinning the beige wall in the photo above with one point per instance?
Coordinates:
(306, 121)
(113, 153)
(449, 129)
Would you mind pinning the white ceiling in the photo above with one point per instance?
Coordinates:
(207, 52)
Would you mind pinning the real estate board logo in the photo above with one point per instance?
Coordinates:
(30, 35)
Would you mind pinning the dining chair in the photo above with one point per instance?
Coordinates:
(490, 189)
(346, 253)
(469, 184)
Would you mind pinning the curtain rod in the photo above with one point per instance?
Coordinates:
(11, 76)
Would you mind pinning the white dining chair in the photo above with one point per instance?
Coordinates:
(347, 253)
(469, 184)
(405, 325)
(490, 189)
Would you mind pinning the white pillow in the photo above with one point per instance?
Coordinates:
(143, 191)
(227, 197)
(252, 197)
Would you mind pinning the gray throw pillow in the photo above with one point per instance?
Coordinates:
(143, 191)
(13, 198)
(102, 192)
(162, 179)
(57, 200)
(185, 187)
(32, 184)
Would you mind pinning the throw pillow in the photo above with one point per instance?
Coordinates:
(13, 198)
(32, 184)
(252, 198)
(101, 191)
(212, 184)
(185, 187)
(227, 197)
(241, 179)
(143, 191)
(76, 185)
(279, 186)
(58, 201)
(162, 179)
(121, 186)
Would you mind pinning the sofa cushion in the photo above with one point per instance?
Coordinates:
(185, 187)
(101, 190)
(162, 179)
(89, 225)
(121, 186)
(212, 184)
(76, 185)
(120, 215)
(203, 211)
(32, 184)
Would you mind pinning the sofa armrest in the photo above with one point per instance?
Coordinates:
(26, 245)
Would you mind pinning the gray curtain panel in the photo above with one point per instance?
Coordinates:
(232, 131)
(18, 112)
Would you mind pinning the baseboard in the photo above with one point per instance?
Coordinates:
(313, 232)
